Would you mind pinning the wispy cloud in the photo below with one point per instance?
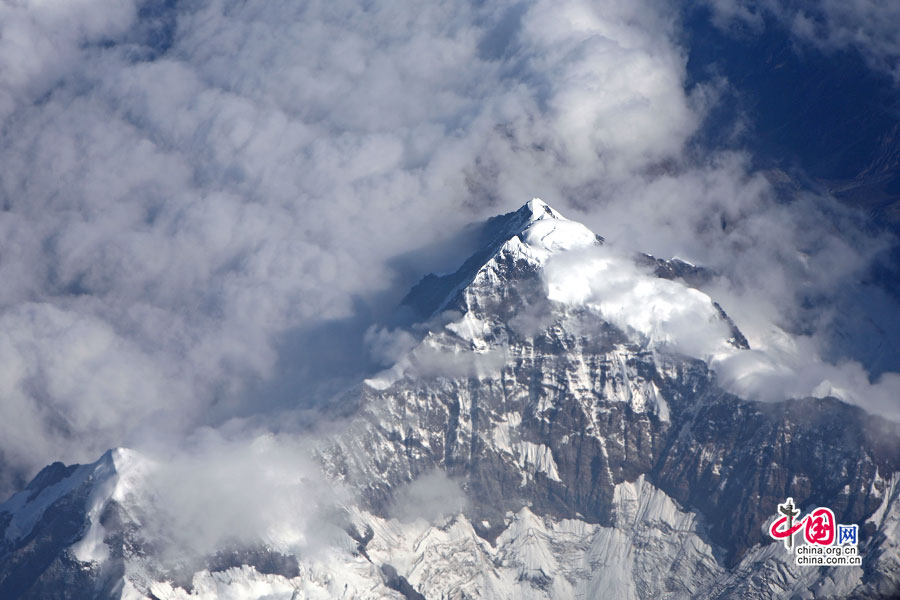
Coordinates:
(868, 27)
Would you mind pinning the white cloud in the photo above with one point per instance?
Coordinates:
(791, 367)
(216, 490)
(182, 208)
(665, 313)
(68, 379)
(42, 41)
(387, 346)
(430, 496)
(195, 200)
(670, 316)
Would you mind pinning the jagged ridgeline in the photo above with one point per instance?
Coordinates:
(576, 445)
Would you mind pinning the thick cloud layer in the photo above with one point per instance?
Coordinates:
(205, 207)
(216, 491)
(183, 189)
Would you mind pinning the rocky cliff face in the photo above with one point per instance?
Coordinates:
(596, 452)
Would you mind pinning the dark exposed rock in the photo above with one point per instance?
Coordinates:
(395, 581)
(49, 475)
(675, 268)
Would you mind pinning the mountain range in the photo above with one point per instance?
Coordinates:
(557, 425)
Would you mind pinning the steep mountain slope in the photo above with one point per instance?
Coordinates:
(568, 392)
(546, 403)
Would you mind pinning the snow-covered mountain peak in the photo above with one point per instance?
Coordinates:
(545, 230)
(541, 210)
(542, 274)
(534, 232)
(532, 211)
(83, 489)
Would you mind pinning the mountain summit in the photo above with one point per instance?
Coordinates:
(535, 261)
(541, 227)
(535, 231)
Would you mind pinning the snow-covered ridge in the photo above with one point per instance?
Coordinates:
(652, 548)
(662, 312)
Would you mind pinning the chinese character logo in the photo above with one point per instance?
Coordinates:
(847, 534)
(784, 527)
(818, 526)
(825, 542)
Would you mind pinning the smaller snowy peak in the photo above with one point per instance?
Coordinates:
(52, 484)
(81, 492)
